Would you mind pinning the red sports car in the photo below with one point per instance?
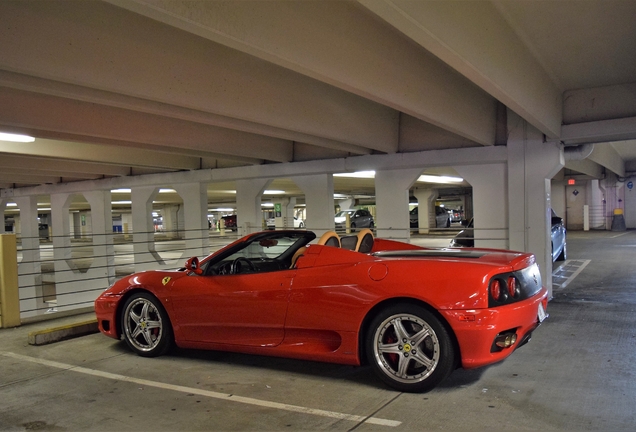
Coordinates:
(414, 314)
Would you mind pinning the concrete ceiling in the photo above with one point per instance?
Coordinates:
(129, 87)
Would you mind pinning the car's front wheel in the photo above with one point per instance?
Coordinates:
(145, 325)
(409, 348)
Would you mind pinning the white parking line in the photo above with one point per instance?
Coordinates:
(570, 270)
(211, 394)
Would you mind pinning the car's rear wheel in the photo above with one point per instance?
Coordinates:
(409, 348)
(145, 325)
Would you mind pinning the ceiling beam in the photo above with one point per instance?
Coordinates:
(33, 84)
(53, 165)
(100, 153)
(342, 45)
(97, 44)
(461, 33)
(599, 131)
(97, 122)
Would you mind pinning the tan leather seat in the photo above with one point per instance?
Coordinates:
(330, 238)
(297, 255)
(365, 241)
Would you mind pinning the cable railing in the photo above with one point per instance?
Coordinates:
(66, 273)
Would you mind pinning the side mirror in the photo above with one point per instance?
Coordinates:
(193, 265)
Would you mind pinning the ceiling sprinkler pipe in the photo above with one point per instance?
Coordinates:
(579, 152)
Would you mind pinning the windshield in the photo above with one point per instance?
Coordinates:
(265, 249)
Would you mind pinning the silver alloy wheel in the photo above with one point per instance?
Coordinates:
(143, 325)
(406, 348)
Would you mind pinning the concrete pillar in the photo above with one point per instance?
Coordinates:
(286, 219)
(195, 218)
(392, 202)
(146, 257)
(346, 204)
(3, 203)
(30, 268)
(490, 208)
(318, 191)
(289, 212)
(102, 228)
(425, 203)
(531, 165)
(170, 221)
(249, 215)
(62, 256)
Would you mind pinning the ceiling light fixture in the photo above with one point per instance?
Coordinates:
(15, 137)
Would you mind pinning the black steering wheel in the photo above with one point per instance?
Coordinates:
(236, 265)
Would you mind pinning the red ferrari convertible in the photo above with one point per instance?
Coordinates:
(414, 314)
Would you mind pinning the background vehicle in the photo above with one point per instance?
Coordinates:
(359, 219)
(230, 222)
(558, 238)
(298, 223)
(466, 238)
(442, 217)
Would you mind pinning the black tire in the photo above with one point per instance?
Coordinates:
(448, 223)
(145, 325)
(424, 349)
(353, 227)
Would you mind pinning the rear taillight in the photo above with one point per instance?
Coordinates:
(512, 286)
(495, 289)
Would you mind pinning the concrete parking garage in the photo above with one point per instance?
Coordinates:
(576, 374)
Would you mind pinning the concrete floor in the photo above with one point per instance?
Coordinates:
(577, 373)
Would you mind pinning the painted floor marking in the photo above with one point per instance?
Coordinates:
(211, 394)
(565, 274)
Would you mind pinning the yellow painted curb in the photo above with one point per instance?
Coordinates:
(56, 334)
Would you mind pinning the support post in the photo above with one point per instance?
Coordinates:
(9, 296)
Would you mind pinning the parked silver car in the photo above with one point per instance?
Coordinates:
(466, 237)
(559, 241)
(358, 218)
(442, 217)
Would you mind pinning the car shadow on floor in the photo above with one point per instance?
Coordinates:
(360, 375)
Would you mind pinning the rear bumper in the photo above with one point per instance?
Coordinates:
(476, 330)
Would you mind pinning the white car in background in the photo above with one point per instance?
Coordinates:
(298, 223)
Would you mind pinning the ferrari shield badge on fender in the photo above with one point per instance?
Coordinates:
(165, 280)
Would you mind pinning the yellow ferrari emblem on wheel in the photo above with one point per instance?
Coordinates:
(166, 280)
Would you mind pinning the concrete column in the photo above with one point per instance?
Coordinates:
(346, 204)
(102, 228)
(170, 221)
(195, 217)
(289, 212)
(249, 215)
(30, 268)
(425, 203)
(318, 191)
(392, 202)
(286, 219)
(490, 208)
(3, 203)
(531, 165)
(146, 257)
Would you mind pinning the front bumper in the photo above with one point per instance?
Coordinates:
(106, 311)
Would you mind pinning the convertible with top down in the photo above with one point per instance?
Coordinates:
(414, 314)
